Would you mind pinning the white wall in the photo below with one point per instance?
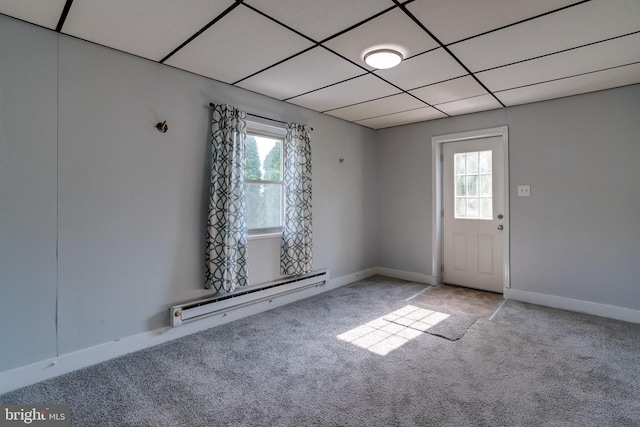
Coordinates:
(577, 236)
(84, 171)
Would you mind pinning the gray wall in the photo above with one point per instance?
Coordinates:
(83, 170)
(102, 217)
(28, 138)
(577, 236)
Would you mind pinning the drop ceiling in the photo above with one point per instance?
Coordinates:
(460, 56)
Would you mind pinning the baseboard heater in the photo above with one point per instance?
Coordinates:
(206, 307)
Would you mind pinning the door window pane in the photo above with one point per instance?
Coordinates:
(472, 163)
(485, 185)
(486, 208)
(460, 186)
(461, 207)
(459, 161)
(485, 161)
(473, 185)
(473, 210)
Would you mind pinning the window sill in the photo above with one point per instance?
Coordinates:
(264, 236)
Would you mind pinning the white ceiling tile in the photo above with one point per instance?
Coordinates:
(421, 70)
(392, 30)
(350, 92)
(612, 53)
(301, 74)
(511, 61)
(147, 28)
(576, 26)
(607, 79)
(377, 107)
(454, 20)
(41, 12)
(403, 118)
(320, 19)
(220, 54)
(470, 105)
(451, 90)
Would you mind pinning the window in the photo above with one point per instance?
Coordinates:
(264, 179)
(473, 185)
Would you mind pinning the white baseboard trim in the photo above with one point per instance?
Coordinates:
(407, 275)
(65, 363)
(604, 310)
(353, 277)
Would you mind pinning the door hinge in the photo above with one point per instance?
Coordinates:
(442, 268)
(442, 213)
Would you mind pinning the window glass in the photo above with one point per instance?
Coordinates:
(473, 194)
(263, 182)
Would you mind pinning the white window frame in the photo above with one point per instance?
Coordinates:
(262, 129)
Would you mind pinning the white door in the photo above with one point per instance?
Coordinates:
(473, 213)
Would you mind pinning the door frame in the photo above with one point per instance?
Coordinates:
(436, 196)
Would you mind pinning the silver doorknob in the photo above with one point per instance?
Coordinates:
(500, 227)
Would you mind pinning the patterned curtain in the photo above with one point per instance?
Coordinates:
(296, 256)
(226, 254)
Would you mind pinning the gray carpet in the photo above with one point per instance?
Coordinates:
(528, 366)
(454, 327)
(439, 321)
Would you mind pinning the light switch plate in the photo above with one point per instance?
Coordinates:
(524, 190)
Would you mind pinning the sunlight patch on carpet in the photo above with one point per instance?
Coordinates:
(387, 333)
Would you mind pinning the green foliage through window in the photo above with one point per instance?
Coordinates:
(263, 181)
(252, 159)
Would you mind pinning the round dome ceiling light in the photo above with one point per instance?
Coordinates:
(383, 58)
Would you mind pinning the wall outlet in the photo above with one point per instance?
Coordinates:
(524, 190)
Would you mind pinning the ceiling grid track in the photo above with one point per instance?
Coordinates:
(316, 44)
(446, 49)
(63, 16)
(202, 30)
(569, 77)
(321, 44)
(457, 57)
(522, 21)
(557, 52)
